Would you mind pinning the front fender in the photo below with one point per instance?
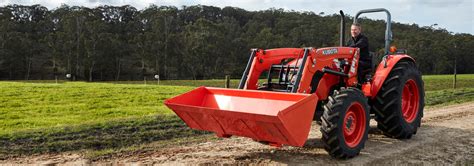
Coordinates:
(382, 72)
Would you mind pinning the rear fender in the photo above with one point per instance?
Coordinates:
(381, 73)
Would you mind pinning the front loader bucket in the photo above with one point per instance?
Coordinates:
(277, 118)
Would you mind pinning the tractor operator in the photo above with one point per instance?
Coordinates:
(360, 41)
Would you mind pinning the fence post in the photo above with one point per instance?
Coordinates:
(227, 81)
(455, 73)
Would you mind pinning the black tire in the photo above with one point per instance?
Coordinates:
(387, 105)
(320, 108)
(319, 112)
(333, 127)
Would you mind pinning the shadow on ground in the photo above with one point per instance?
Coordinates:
(115, 134)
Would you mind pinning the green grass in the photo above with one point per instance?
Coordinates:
(440, 82)
(432, 82)
(48, 117)
(439, 89)
(100, 119)
(26, 106)
(194, 83)
(449, 96)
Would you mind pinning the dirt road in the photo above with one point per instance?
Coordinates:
(446, 137)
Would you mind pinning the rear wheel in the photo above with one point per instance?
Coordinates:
(345, 123)
(399, 104)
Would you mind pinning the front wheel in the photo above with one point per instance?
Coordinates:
(345, 123)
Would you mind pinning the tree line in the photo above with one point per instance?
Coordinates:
(190, 42)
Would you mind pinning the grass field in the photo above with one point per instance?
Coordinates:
(101, 118)
(24, 105)
(432, 82)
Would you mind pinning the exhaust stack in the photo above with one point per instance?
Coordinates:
(343, 29)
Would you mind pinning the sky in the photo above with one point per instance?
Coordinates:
(456, 16)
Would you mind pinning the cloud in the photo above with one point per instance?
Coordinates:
(442, 3)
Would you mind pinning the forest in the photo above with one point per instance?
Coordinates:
(113, 43)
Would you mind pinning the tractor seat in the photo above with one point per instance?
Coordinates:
(369, 68)
(374, 61)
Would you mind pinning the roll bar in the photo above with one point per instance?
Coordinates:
(388, 29)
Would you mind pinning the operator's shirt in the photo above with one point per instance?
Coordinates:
(362, 43)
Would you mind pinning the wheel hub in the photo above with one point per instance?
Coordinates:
(410, 101)
(350, 124)
(354, 124)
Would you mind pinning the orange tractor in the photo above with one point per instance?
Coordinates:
(306, 84)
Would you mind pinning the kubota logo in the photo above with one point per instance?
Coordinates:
(330, 51)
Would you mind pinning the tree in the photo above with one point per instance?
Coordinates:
(192, 42)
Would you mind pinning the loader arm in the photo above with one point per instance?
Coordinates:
(264, 59)
(317, 60)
